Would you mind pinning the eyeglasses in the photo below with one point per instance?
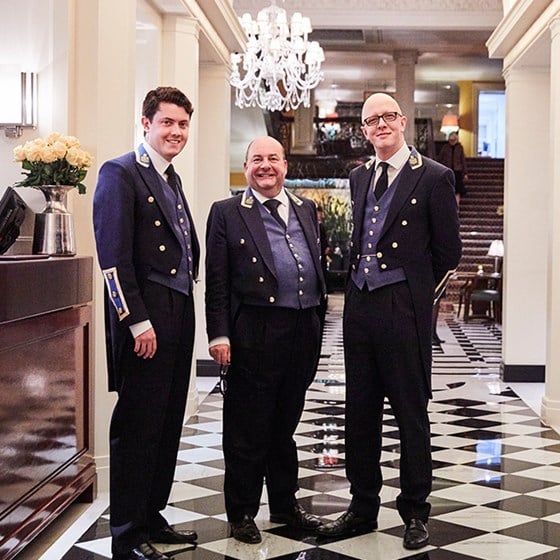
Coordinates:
(387, 118)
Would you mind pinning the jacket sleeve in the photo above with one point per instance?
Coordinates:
(114, 227)
(218, 275)
(446, 244)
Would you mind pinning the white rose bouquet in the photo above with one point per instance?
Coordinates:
(54, 160)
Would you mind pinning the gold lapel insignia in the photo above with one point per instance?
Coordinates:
(295, 198)
(247, 201)
(142, 157)
(415, 160)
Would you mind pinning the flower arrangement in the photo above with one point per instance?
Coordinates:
(54, 160)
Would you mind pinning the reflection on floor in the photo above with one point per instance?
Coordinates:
(496, 490)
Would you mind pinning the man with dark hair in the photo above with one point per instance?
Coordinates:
(148, 252)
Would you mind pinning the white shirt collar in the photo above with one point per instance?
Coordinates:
(282, 197)
(398, 159)
(158, 161)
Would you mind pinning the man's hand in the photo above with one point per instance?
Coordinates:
(221, 353)
(145, 344)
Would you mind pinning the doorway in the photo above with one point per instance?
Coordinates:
(491, 124)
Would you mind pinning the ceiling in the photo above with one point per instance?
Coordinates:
(360, 39)
(444, 58)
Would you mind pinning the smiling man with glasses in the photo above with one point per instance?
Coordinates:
(405, 243)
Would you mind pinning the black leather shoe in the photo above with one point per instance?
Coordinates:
(297, 518)
(143, 551)
(415, 534)
(168, 535)
(347, 524)
(245, 530)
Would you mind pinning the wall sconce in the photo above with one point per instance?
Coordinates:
(18, 109)
(449, 124)
(496, 250)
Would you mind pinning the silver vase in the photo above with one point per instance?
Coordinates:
(54, 227)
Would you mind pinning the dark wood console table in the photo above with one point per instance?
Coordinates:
(45, 394)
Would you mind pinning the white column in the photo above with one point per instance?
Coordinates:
(214, 154)
(405, 62)
(550, 148)
(180, 68)
(101, 115)
(303, 131)
(526, 199)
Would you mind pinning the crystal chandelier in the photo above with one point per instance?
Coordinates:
(280, 65)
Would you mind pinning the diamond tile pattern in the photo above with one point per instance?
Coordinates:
(496, 491)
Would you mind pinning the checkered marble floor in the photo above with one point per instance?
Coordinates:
(496, 491)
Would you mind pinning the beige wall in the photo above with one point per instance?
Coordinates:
(95, 65)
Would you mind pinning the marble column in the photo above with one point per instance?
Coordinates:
(214, 116)
(180, 68)
(303, 131)
(100, 89)
(405, 62)
(550, 148)
(526, 198)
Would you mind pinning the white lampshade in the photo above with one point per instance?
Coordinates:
(496, 248)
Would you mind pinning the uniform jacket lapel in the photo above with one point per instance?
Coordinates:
(154, 184)
(407, 180)
(364, 178)
(250, 214)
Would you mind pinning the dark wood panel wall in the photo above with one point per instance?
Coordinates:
(46, 426)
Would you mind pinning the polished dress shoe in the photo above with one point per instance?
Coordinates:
(143, 551)
(415, 534)
(347, 524)
(245, 530)
(297, 518)
(168, 535)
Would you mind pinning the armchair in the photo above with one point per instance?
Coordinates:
(482, 298)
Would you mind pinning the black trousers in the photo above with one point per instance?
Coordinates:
(274, 356)
(147, 420)
(382, 358)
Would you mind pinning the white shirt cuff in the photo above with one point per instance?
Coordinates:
(219, 340)
(138, 328)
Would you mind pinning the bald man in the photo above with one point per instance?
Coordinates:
(264, 284)
(405, 243)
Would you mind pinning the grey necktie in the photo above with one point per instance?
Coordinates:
(272, 205)
(383, 181)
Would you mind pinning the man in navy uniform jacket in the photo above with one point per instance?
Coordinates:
(148, 252)
(264, 283)
(405, 244)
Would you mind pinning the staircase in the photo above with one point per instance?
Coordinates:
(480, 221)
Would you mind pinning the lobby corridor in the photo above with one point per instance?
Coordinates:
(496, 488)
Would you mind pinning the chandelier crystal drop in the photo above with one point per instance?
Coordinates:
(280, 65)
